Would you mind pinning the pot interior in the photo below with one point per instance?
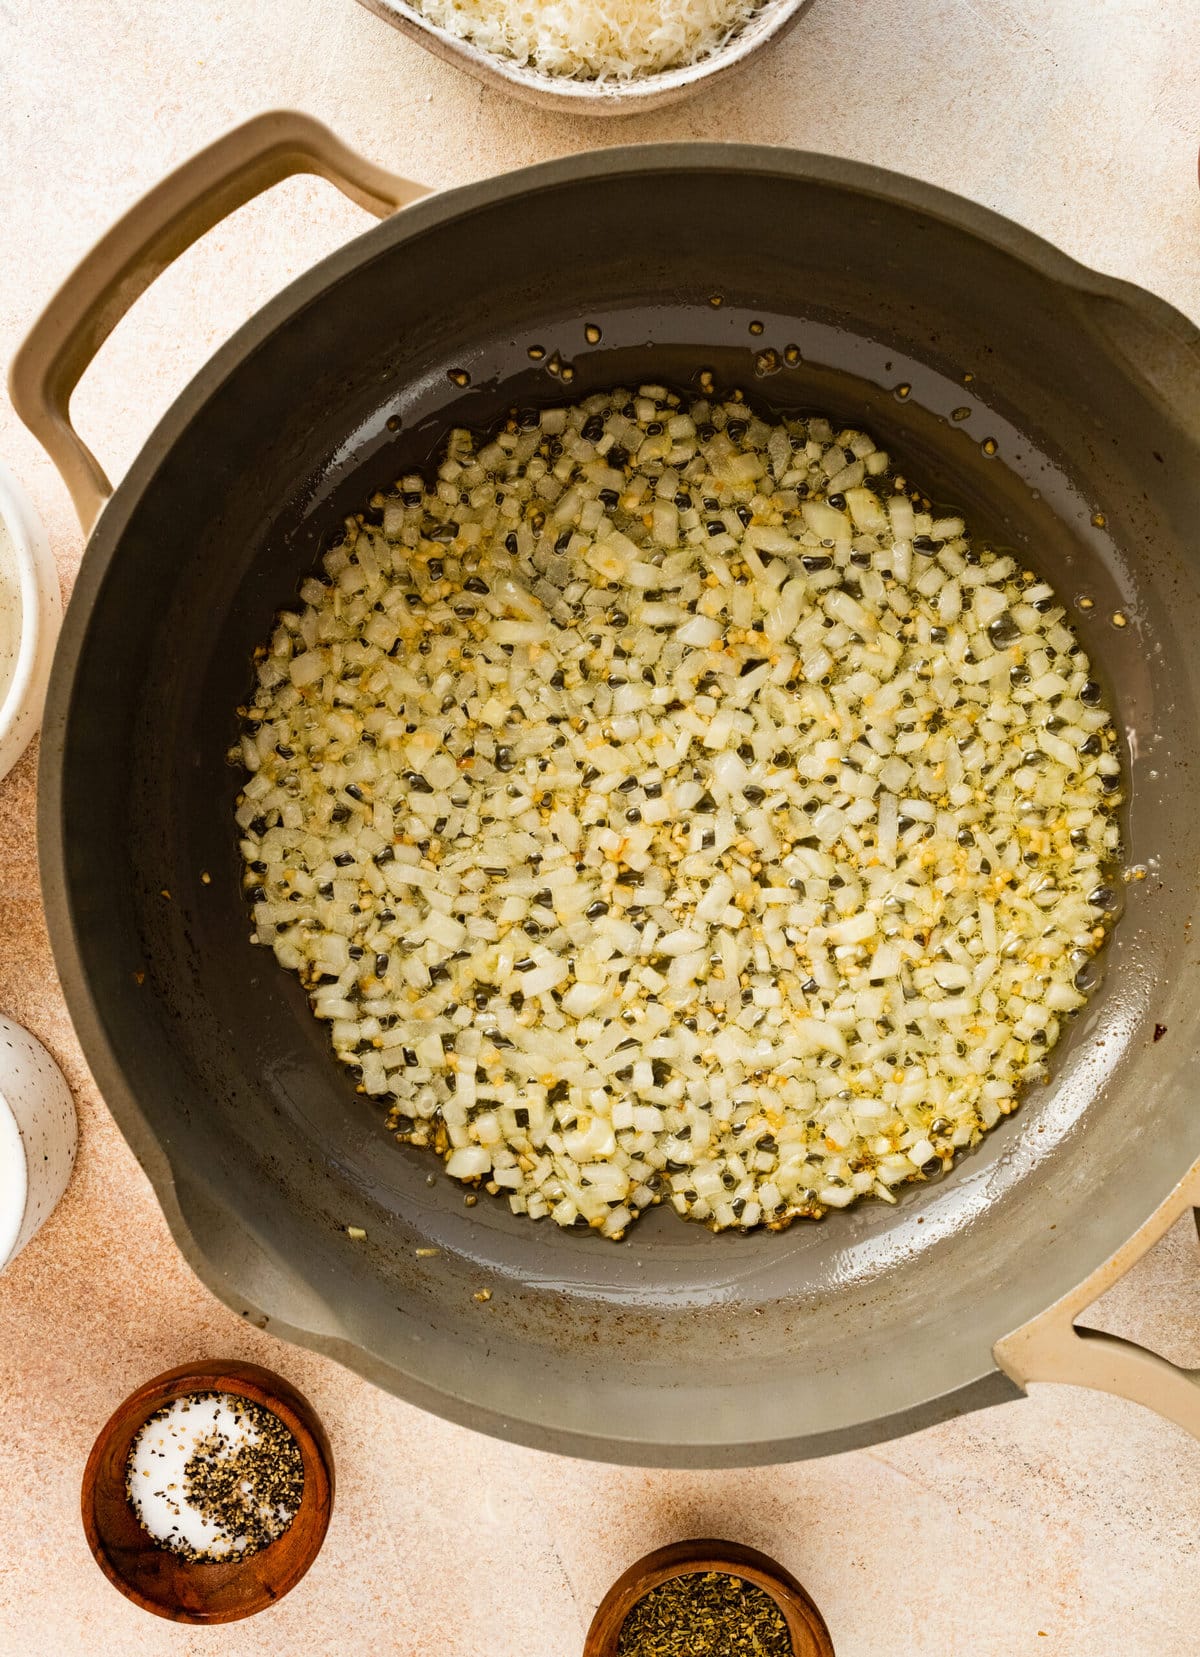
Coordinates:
(675, 1344)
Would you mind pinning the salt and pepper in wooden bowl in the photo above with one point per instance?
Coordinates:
(208, 1493)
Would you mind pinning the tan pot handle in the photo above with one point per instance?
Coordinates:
(153, 233)
(1050, 1347)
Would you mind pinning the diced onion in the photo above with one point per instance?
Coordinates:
(650, 826)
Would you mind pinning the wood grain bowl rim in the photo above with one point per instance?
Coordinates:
(806, 1626)
(165, 1583)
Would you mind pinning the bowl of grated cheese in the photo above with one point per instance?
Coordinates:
(594, 57)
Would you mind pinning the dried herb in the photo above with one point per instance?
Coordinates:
(705, 1614)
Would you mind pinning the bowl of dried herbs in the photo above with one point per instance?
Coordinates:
(707, 1598)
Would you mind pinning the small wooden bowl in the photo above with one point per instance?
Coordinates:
(806, 1626)
(195, 1591)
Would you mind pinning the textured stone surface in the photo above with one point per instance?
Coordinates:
(1040, 1527)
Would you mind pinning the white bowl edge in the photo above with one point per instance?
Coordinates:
(39, 1137)
(14, 1182)
(39, 621)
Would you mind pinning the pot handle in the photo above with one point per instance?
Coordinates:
(1051, 1348)
(140, 246)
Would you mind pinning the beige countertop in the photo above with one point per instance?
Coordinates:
(1065, 1524)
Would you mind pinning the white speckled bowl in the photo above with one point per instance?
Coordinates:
(38, 1135)
(772, 19)
(30, 617)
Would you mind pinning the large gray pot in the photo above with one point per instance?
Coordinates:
(1079, 447)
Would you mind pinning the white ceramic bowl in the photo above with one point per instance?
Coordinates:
(38, 1135)
(30, 617)
(581, 97)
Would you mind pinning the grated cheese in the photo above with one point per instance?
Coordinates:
(593, 39)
